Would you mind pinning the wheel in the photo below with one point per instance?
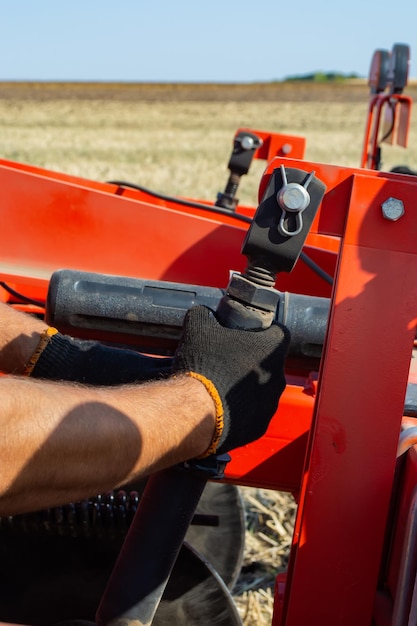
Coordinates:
(379, 71)
(399, 67)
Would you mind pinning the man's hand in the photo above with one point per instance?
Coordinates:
(246, 369)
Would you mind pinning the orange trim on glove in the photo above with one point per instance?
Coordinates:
(45, 339)
(218, 429)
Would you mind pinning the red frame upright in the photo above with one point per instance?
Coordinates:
(349, 468)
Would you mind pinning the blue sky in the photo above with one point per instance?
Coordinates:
(199, 41)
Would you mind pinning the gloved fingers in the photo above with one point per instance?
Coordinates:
(202, 317)
(280, 334)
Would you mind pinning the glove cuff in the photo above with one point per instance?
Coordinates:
(218, 429)
(44, 341)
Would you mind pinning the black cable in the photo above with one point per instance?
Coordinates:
(20, 296)
(189, 203)
(316, 268)
(213, 209)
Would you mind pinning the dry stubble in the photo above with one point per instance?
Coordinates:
(177, 147)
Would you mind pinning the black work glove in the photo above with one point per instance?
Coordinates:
(245, 367)
(92, 363)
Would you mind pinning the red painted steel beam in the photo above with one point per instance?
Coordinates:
(345, 492)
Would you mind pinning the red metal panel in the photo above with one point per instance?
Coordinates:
(49, 224)
(346, 489)
(276, 461)
(52, 221)
(278, 144)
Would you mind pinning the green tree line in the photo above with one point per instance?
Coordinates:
(322, 77)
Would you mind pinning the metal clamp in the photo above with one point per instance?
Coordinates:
(293, 198)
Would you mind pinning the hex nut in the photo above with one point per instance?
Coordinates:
(248, 292)
(393, 209)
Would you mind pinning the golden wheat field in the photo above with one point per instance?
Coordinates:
(176, 139)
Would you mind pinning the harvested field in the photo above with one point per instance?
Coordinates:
(184, 92)
(177, 139)
(355, 90)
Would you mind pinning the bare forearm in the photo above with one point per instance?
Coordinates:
(19, 337)
(58, 446)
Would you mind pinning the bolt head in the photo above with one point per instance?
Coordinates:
(393, 209)
(293, 197)
(247, 143)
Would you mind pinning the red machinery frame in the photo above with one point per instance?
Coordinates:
(278, 144)
(346, 488)
(333, 442)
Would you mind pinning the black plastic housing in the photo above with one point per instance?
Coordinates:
(148, 314)
(263, 242)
